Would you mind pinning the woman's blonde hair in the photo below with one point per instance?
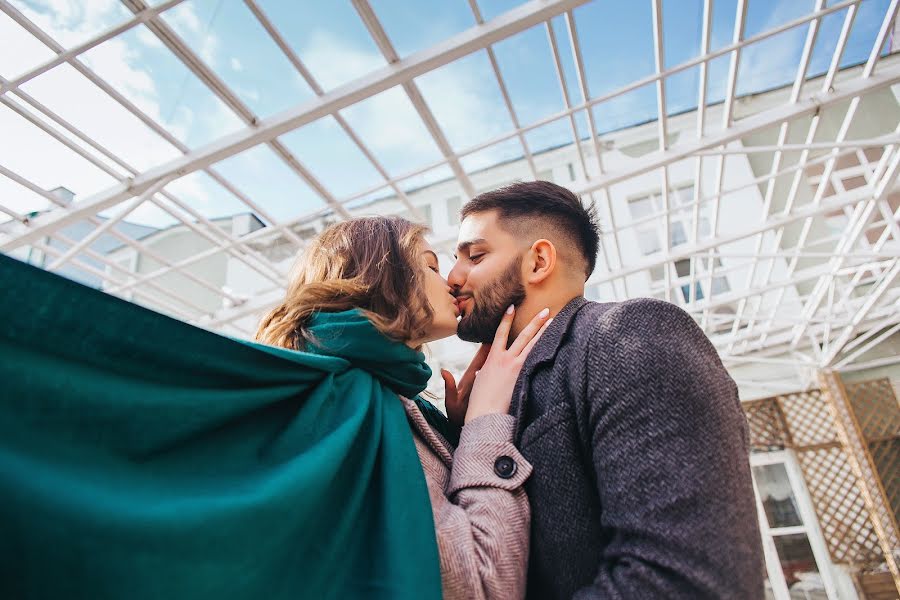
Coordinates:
(369, 263)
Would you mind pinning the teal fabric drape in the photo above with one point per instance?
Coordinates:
(141, 457)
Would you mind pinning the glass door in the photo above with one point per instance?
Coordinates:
(796, 558)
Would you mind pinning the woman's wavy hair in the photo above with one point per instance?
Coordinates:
(369, 263)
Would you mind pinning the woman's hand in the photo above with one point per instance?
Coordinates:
(456, 396)
(493, 387)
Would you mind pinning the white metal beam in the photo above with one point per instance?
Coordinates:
(255, 263)
(605, 199)
(380, 36)
(466, 42)
(867, 71)
(65, 56)
(884, 187)
(784, 128)
(686, 250)
(29, 26)
(203, 157)
(504, 92)
(103, 228)
(317, 89)
(749, 125)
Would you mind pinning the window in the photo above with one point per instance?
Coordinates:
(641, 207)
(680, 219)
(720, 285)
(683, 196)
(681, 279)
(797, 561)
(425, 209)
(648, 241)
(679, 197)
(454, 207)
(683, 269)
(676, 234)
(545, 175)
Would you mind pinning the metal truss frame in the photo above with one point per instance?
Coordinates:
(828, 315)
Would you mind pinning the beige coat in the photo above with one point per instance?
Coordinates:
(481, 512)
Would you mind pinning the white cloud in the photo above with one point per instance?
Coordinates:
(387, 122)
(184, 16)
(770, 62)
(115, 60)
(43, 161)
(87, 107)
(19, 50)
(70, 22)
(184, 19)
(334, 62)
(148, 38)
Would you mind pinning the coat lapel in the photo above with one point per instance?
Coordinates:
(545, 351)
(435, 441)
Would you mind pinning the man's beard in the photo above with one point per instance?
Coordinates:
(481, 323)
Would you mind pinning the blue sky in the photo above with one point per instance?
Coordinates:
(615, 35)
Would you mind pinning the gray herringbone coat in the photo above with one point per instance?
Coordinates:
(481, 519)
(641, 485)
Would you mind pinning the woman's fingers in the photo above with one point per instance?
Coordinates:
(453, 403)
(531, 344)
(502, 334)
(449, 386)
(529, 332)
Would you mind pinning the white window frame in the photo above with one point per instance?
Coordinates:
(810, 526)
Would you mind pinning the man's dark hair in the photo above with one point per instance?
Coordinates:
(543, 200)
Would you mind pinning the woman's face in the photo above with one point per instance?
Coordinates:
(443, 303)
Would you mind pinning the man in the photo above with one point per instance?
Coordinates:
(641, 484)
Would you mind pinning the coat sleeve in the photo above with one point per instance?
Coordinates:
(668, 442)
(483, 519)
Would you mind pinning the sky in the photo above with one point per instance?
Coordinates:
(329, 37)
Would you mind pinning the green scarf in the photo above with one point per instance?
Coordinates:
(141, 457)
(352, 336)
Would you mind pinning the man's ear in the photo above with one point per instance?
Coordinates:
(540, 261)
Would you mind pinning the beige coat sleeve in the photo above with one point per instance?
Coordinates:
(483, 518)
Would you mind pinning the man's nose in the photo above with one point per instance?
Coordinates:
(456, 277)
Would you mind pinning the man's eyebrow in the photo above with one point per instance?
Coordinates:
(465, 245)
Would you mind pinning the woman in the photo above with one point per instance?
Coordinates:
(383, 269)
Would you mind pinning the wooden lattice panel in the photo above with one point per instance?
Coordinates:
(842, 513)
(767, 429)
(886, 456)
(878, 414)
(804, 421)
(809, 420)
(876, 408)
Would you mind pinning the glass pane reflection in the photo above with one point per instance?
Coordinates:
(777, 496)
(799, 567)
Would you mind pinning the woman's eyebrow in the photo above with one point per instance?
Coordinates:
(432, 253)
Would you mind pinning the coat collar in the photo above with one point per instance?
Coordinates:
(544, 351)
(434, 440)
